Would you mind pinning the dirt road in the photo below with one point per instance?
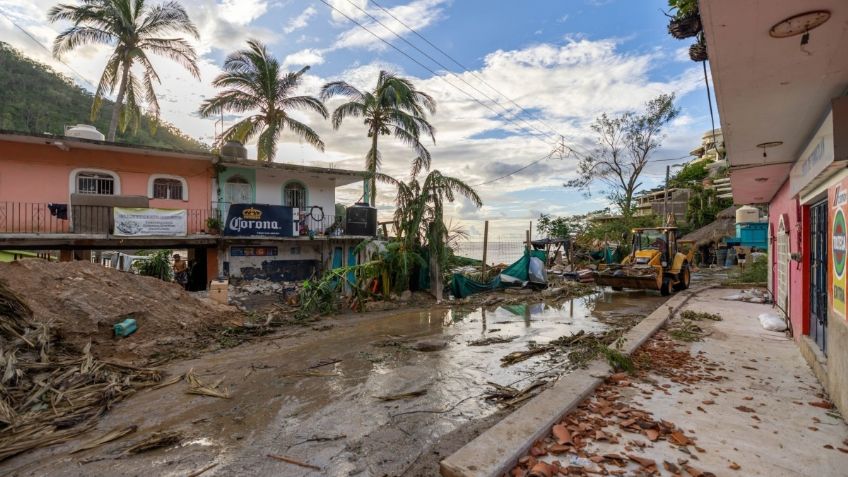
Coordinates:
(311, 395)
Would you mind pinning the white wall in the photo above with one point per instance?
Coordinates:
(269, 188)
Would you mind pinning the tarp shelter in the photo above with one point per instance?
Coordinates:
(528, 270)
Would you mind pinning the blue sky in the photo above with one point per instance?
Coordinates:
(565, 61)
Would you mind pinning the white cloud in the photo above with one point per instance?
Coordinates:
(308, 56)
(242, 12)
(349, 8)
(300, 21)
(417, 15)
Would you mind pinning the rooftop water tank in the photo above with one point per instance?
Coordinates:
(84, 131)
(234, 150)
(747, 214)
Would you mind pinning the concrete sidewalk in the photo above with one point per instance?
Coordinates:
(741, 402)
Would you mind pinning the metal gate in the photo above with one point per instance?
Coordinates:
(818, 274)
(783, 268)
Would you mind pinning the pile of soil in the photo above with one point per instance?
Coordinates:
(81, 301)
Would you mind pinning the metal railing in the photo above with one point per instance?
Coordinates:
(328, 225)
(42, 218)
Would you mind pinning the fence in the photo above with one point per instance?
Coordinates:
(328, 225)
(41, 218)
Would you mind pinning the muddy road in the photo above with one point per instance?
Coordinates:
(311, 394)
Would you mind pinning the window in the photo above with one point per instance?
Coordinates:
(95, 183)
(295, 195)
(168, 189)
(238, 191)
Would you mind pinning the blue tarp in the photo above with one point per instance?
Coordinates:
(515, 274)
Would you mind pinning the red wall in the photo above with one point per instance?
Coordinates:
(784, 205)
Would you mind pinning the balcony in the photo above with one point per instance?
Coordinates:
(24, 218)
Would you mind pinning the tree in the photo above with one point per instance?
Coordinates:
(254, 81)
(691, 174)
(134, 29)
(624, 144)
(563, 227)
(394, 107)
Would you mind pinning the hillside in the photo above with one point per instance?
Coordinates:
(35, 98)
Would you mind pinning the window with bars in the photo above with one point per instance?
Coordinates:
(95, 183)
(295, 194)
(167, 189)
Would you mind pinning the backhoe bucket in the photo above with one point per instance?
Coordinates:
(624, 277)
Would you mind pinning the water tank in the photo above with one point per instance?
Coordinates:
(84, 131)
(361, 220)
(234, 150)
(746, 214)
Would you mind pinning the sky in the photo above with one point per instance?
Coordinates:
(519, 76)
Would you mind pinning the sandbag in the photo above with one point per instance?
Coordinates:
(772, 322)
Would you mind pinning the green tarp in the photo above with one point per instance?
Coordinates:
(462, 286)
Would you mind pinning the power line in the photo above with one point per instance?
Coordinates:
(46, 49)
(422, 65)
(548, 156)
(668, 159)
(456, 62)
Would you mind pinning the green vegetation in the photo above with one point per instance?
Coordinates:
(755, 272)
(134, 29)
(693, 315)
(555, 227)
(36, 99)
(691, 174)
(395, 108)
(157, 264)
(683, 8)
(253, 80)
(704, 206)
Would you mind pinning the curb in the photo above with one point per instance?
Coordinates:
(494, 452)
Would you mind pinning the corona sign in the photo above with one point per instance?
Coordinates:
(838, 252)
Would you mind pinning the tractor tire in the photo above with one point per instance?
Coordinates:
(683, 278)
(665, 288)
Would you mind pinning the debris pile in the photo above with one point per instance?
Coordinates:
(607, 434)
(50, 392)
(81, 301)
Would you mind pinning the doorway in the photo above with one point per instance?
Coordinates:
(818, 274)
(783, 268)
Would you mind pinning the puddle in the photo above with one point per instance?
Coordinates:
(284, 401)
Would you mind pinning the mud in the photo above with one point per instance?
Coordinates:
(310, 395)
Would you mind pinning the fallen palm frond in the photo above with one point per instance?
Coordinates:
(110, 436)
(156, 440)
(398, 397)
(195, 386)
(699, 315)
(50, 392)
(518, 356)
(491, 340)
(168, 382)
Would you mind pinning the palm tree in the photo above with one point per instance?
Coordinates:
(394, 107)
(254, 81)
(134, 29)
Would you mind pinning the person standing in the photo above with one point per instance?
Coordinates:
(180, 270)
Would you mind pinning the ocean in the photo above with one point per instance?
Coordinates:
(498, 252)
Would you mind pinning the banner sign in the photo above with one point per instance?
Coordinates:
(140, 222)
(245, 220)
(838, 235)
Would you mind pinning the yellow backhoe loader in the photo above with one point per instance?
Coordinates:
(658, 261)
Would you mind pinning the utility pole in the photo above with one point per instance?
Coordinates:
(665, 194)
(485, 247)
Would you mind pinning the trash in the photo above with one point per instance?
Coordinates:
(125, 328)
(294, 462)
(510, 396)
(110, 436)
(398, 397)
(772, 322)
(518, 356)
(197, 387)
(491, 340)
(752, 295)
(157, 440)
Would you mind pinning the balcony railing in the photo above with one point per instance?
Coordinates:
(41, 218)
(328, 225)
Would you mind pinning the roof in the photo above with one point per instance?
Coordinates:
(80, 143)
(341, 176)
(723, 226)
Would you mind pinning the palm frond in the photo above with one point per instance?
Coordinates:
(350, 109)
(305, 132)
(308, 103)
(77, 36)
(340, 88)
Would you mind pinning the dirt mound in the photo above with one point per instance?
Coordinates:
(81, 301)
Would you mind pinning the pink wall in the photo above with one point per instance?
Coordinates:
(783, 204)
(40, 173)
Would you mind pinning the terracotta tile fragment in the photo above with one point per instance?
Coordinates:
(541, 469)
(821, 404)
(828, 446)
(562, 434)
(652, 434)
(642, 461)
(679, 438)
(669, 467)
(734, 466)
(697, 472)
(708, 402)
(842, 449)
(744, 409)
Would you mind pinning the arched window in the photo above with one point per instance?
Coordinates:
(167, 187)
(95, 183)
(237, 190)
(294, 195)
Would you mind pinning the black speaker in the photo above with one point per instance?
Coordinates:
(361, 220)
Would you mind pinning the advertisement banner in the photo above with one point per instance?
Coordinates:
(140, 222)
(838, 235)
(246, 220)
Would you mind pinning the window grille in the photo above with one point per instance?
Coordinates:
(295, 195)
(95, 183)
(168, 189)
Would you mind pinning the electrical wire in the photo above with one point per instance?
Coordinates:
(710, 102)
(83, 78)
(464, 68)
(388, 43)
(550, 154)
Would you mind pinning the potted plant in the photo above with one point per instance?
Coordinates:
(686, 21)
(698, 51)
(213, 225)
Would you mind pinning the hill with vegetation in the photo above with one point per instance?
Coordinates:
(34, 98)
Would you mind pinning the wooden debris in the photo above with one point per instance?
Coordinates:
(157, 440)
(492, 340)
(110, 436)
(298, 463)
(518, 356)
(203, 470)
(195, 386)
(398, 397)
